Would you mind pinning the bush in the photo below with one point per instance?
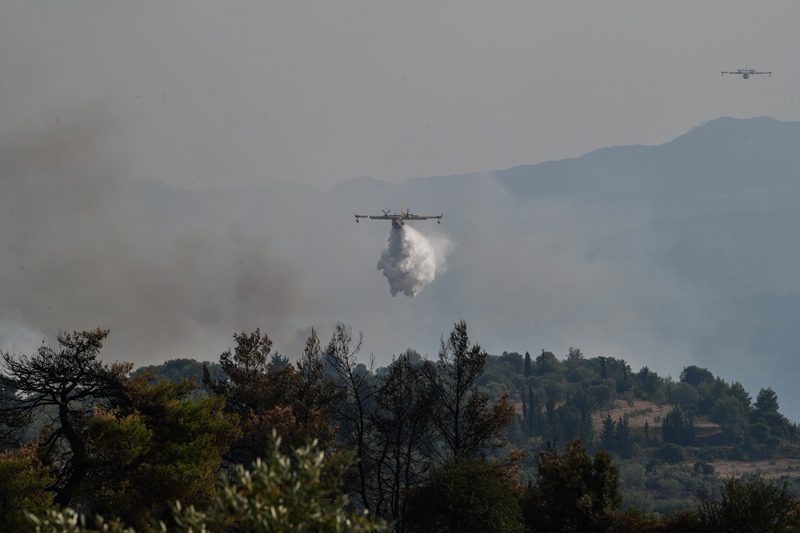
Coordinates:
(573, 491)
(466, 495)
(279, 494)
(670, 453)
(750, 505)
(23, 488)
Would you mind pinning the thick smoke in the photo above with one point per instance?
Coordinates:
(84, 246)
(410, 260)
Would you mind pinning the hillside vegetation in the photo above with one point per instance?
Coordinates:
(328, 442)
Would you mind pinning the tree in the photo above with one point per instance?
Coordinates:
(649, 383)
(534, 422)
(753, 504)
(547, 363)
(574, 355)
(166, 446)
(677, 427)
(738, 391)
(729, 412)
(573, 492)
(607, 433)
(24, 484)
(401, 419)
(465, 419)
(622, 439)
(527, 364)
(694, 375)
(280, 494)
(177, 370)
(70, 381)
(467, 495)
(355, 395)
(767, 401)
(670, 454)
(267, 392)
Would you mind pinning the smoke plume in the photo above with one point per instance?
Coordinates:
(410, 260)
(84, 246)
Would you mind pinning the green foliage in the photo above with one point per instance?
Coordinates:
(68, 382)
(670, 454)
(750, 505)
(678, 427)
(466, 495)
(279, 494)
(546, 364)
(649, 385)
(738, 391)
(729, 412)
(616, 437)
(166, 447)
(70, 521)
(23, 488)
(767, 401)
(573, 492)
(466, 420)
(268, 393)
(177, 370)
(417, 429)
(694, 375)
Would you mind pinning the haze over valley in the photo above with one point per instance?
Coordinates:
(680, 253)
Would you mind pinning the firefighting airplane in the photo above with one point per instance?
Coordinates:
(398, 219)
(746, 72)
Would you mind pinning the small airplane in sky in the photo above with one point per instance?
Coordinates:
(746, 72)
(398, 219)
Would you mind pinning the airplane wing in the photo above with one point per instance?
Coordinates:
(412, 216)
(437, 218)
(768, 73)
(402, 216)
(374, 217)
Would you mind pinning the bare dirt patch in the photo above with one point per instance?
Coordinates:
(641, 412)
(769, 469)
(638, 412)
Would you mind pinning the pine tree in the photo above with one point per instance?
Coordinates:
(622, 438)
(607, 433)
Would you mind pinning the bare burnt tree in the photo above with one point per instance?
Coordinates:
(64, 384)
(353, 380)
(402, 422)
(465, 419)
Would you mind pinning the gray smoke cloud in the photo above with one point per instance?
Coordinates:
(85, 246)
(410, 260)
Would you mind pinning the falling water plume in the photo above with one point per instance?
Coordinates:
(410, 260)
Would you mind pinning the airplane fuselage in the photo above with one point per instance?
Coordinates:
(398, 219)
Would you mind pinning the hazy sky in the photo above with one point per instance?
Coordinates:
(207, 93)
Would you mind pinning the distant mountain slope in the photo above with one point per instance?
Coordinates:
(686, 252)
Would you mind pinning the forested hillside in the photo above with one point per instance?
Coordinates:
(539, 441)
(669, 437)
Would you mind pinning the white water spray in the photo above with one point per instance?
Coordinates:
(410, 260)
